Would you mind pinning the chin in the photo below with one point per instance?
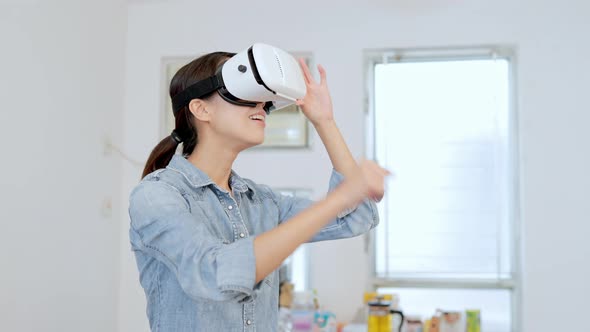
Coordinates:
(253, 143)
(257, 143)
(258, 140)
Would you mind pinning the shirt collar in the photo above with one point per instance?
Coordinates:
(198, 178)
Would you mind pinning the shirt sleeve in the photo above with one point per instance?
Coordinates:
(163, 227)
(349, 223)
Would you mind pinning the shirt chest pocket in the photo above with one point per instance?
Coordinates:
(212, 217)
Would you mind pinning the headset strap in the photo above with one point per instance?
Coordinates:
(197, 90)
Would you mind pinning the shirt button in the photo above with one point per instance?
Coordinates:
(242, 234)
(230, 207)
(248, 322)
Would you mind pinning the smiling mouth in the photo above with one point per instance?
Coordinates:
(257, 117)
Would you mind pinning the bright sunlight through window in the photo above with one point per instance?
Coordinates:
(444, 127)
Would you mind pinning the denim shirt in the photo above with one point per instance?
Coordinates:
(194, 247)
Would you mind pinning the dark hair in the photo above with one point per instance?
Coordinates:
(189, 74)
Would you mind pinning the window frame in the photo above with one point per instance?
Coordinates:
(371, 58)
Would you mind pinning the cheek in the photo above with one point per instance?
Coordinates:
(230, 119)
(232, 124)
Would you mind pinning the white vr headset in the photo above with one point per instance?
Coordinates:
(262, 73)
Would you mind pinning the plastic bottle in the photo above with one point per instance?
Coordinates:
(303, 312)
(285, 320)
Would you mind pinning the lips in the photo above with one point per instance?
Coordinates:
(260, 117)
(257, 117)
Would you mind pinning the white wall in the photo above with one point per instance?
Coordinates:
(553, 76)
(61, 93)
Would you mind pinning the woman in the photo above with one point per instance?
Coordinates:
(208, 242)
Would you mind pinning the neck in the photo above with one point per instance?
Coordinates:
(215, 160)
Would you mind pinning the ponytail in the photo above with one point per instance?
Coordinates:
(186, 133)
(161, 155)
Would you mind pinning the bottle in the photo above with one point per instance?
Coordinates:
(303, 312)
(414, 324)
(285, 320)
(473, 320)
(285, 303)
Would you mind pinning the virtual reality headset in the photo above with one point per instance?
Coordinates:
(262, 73)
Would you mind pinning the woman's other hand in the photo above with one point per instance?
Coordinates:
(368, 182)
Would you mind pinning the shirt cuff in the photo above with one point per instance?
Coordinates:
(347, 212)
(236, 266)
(335, 180)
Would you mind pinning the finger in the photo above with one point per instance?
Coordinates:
(322, 71)
(374, 179)
(380, 169)
(378, 180)
(306, 72)
(377, 191)
(378, 188)
(376, 168)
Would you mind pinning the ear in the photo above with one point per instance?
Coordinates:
(198, 108)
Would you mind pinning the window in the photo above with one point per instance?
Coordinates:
(443, 121)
